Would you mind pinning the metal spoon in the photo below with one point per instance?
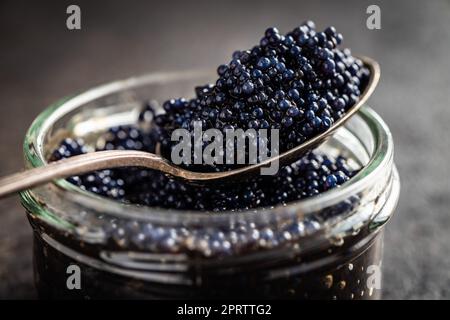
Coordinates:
(89, 162)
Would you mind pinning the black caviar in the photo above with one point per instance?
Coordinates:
(299, 83)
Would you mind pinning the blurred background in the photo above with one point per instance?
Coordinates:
(42, 61)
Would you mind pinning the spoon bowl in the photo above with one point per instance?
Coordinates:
(300, 150)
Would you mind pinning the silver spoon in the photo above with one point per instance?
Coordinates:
(89, 162)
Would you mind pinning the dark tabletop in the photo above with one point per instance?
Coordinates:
(41, 61)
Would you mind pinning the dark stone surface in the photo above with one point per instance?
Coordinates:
(41, 61)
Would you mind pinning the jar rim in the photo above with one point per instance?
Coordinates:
(34, 157)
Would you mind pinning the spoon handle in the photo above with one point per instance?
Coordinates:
(78, 165)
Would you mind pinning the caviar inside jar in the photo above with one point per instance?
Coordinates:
(318, 172)
(240, 257)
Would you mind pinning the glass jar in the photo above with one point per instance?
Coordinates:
(325, 247)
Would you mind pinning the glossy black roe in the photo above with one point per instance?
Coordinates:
(300, 82)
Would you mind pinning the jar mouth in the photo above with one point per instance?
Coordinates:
(380, 157)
